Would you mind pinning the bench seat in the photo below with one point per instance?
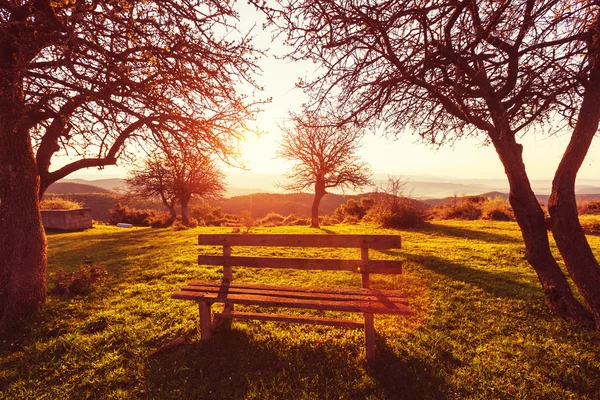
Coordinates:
(338, 299)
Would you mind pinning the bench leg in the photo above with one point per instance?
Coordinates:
(370, 336)
(205, 322)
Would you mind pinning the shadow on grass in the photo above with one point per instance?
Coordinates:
(233, 365)
(470, 234)
(498, 284)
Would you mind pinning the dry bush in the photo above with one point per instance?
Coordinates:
(58, 203)
(468, 208)
(134, 216)
(246, 220)
(353, 208)
(351, 220)
(392, 209)
(328, 220)
(497, 209)
(588, 207)
(206, 214)
(69, 283)
(271, 219)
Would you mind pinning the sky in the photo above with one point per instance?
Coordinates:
(404, 155)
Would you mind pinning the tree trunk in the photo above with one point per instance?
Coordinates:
(22, 236)
(562, 205)
(185, 200)
(530, 217)
(319, 193)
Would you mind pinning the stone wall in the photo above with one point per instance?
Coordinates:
(67, 220)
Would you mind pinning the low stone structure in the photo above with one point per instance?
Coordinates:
(67, 220)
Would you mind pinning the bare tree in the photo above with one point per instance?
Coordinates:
(195, 174)
(153, 180)
(91, 78)
(324, 156)
(175, 176)
(454, 68)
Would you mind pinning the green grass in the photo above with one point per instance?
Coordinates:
(480, 328)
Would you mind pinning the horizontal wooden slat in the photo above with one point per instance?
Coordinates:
(366, 295)
(300, 240)
(372, 266)
(261, 286)
(375, 307)
(343, 323)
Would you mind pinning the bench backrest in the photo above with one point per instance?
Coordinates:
(363, 242)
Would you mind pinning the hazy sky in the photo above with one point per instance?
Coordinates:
(402, 156)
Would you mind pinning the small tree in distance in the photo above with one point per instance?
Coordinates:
(153, 179)
(175, 177)
(324, 156)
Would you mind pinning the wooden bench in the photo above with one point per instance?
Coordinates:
(363, 300)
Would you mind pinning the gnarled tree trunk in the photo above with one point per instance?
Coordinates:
(22, 236)
(530, 217)
(562, 205)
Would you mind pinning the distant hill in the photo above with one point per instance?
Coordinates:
(299, 204)
(107, 184)
(62, 187)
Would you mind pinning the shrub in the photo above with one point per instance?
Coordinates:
(328, 220)
(271, 219)
(589, 207)
(69, 283)
(351, 220)
(396, 212)
(289, 220)
(123, 213)
(301, 222)
(353, 208)
(497, 209)
(205, 214)
(58, 203)
(246, 220)
(468, 208)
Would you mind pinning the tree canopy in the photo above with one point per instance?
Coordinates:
(452, 68)
(93, 79)
(324, 155)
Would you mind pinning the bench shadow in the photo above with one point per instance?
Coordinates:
(470, 234)
(234, 365)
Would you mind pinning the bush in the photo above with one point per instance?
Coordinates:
(328, 220)
(351, 220)
(58, 203)
(396, 212)
(289, 220)
(497, 209)
(246, 220)
(69, 283)
(589, 207)
(271, 219)
(353, 208)
(128, 215)
(468, 208)
(206, 215)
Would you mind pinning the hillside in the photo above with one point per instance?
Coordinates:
(65, 187)
(299, 204)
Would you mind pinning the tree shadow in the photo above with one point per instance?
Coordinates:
(499, 284)
(470, 234)
(235, 365)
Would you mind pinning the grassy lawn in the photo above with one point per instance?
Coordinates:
(480, 328)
